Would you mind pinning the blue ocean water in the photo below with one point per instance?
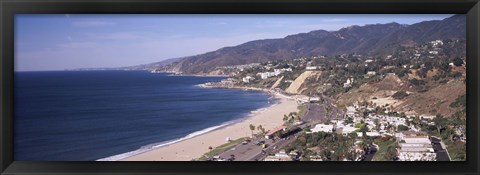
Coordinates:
(90, 115)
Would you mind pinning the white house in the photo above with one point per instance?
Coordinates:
(345, 130)
(350, 111)
(436, 42)
(322, 128)
(416, 148)
(416, 139)
(348, 83)
(247, 79)
(265, 75)
(429, 117)
(371, 134)
(433, 52)
(302, 99)
(314, 99)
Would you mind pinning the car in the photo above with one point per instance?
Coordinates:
(260, 142)
(244, 142)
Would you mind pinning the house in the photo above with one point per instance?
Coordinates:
(270, 133)
(247, 79)
(311, 68)
(350, 111)
(429, 117)
(322, 128)
(370, 134)
(436, 42)
(280, 156)
(416, 139)
(348, 83)
(302, 99)
(265, 75)
(391, 74)
(345, 130)
(401, 135)
(371, 73)
(314, 99)
(416, 148)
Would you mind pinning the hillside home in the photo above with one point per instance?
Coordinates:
(322, 128)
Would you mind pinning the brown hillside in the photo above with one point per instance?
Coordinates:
(379, 92)
(436, 100)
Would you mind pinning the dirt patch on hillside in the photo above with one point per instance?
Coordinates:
(389, 82)
(277, 83)
(295, 87)
(379, 93)
(436, 100)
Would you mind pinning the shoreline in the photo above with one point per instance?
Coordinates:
(189, 148)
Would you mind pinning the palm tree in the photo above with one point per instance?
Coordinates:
(252, 128)
(285, 118)
(261, 129)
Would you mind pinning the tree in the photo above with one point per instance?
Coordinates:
(402, 128)
(252, 128)
(391, 153)
(399, 95)
(440, 122)
(377, 124)
(261, 129)
(457, 61)
(349, 120)
(444, 67)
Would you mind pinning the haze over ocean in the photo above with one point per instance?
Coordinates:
(89, 115)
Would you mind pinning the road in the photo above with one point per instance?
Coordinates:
(316, 113)
(270, 150)
(369, 157)
(252, 152)
(442, 154)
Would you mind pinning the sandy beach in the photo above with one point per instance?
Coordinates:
(195, 147)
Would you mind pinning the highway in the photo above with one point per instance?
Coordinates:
(252, 152)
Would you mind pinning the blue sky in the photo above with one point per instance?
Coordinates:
(58, 42)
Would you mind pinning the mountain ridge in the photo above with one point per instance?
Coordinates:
(369, 39)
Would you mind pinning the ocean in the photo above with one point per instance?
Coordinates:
(109, 115)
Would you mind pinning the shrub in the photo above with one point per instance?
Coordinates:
(460, 101)
(455, 74)
(400, 95)
(417, 82)
(402, 128)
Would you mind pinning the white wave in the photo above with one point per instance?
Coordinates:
(150, 147)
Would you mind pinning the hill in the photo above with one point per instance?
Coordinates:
(369, 39)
